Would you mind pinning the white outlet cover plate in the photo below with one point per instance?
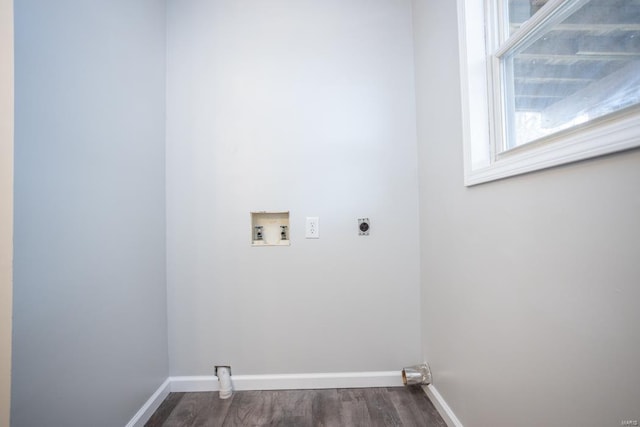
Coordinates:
(312, 228)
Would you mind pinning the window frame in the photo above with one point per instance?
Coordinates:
(482, 112)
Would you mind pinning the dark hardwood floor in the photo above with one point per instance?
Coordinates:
(393, 406)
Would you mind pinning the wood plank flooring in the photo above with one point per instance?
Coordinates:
(393, 406)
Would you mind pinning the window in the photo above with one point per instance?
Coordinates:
(547, 82)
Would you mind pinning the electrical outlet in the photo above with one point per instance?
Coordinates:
(312, 229)
(364, 225)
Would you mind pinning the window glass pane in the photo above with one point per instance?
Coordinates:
(584, 67)
(521, 10)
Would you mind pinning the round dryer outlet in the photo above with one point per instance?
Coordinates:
(364, 225)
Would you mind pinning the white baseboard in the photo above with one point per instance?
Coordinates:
(290, 381)
(441, 405)
(266, 382)
(150, 406)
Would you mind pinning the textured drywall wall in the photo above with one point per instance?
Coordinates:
(6, 204)
(90, 330)
(305, 106)
(530, 285)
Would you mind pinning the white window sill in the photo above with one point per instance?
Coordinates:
(606, 136)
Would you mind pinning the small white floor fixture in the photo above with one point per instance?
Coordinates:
(224, 376)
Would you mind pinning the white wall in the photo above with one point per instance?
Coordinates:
(90, 330)
(6, 204)
(530, 285)
(305, 106)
